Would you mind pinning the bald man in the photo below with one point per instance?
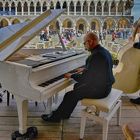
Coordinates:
(95, 81)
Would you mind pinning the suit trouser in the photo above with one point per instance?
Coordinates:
(71, 99)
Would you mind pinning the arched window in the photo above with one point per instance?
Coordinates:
(71, 7)
(1, 6)
(13, 8)
(85, 8)
(7, 8)
(81, 27)
(92, 8)
(120, 7)
(44, 6)
(122, 23)
(64, 5)
(105, 25)
(38, 7)
(69, 24)
(106, 8)
(113, 8)
(32, 7)
(93, 25)
(25, 7)
(109, 24)
(19, 7)
(3, 23)
(51, 5)
(57, 25)
(128, 6)
(78, 8)
(99, 8)
(15, 21)
(58, 5)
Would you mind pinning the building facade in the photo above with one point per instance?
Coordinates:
(80, 15)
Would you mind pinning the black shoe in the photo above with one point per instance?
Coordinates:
(50, 118)
(135, 101)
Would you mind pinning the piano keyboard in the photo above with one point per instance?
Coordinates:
(47, 83)
(51, 81)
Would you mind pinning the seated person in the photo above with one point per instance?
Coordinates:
(94, 82)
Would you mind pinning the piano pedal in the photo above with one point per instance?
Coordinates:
(29, 135)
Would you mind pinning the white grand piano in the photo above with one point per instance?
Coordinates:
(34, 77)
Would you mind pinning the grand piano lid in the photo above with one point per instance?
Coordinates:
(14, 37)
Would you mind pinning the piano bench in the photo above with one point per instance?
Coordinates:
(101, 111)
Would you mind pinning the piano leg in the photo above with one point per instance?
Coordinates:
(24, 132)
(49, 105)
(22, 107)
(55, 98)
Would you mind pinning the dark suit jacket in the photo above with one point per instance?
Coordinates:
(98, 76)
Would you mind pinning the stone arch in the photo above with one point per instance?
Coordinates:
(4, 22)
(54, 25)
(109, 23)
(95, 25)
(67, 23)
(57, 24)
(81, 25)
(27, 20)
(15, 21)
(123, 23)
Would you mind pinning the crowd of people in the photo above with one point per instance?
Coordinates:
(69, 35)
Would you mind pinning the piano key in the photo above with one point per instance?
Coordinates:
(51, 81)
(46, 83)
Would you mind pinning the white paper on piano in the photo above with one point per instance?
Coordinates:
(36, 58)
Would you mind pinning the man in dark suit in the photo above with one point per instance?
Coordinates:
(94, 81)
